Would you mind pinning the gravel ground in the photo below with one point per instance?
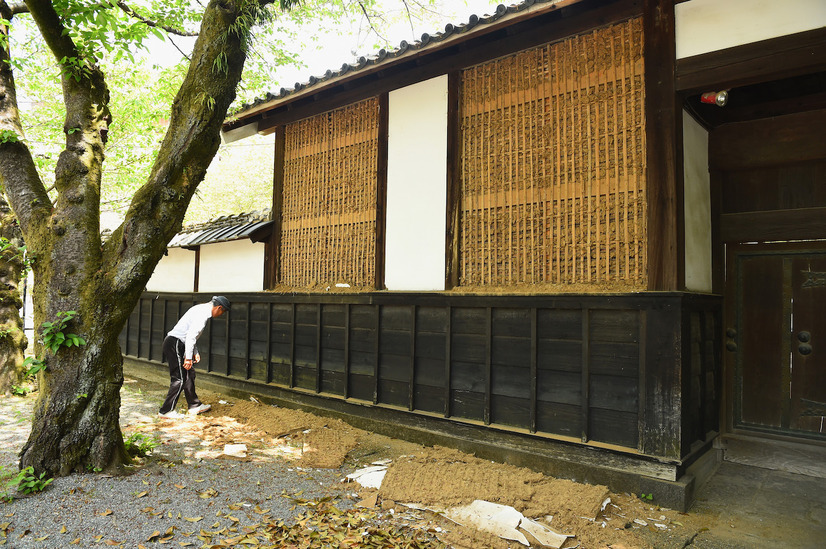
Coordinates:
(170, 499)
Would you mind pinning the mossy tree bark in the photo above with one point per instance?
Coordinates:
(76, 420)
(12, 337)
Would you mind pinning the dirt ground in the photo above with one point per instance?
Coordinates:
(430, 477)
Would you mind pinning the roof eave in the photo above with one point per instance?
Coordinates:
(248, 119)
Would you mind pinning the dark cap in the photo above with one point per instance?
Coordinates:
(221, 300)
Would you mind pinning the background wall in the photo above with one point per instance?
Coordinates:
(697, 203)
(703, 26)
(417, 187)
(236, 266)
(174, 273)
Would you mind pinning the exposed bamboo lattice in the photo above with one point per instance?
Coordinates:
(553, 164)
(329, 198)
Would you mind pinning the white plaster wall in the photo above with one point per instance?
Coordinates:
(236, 266)
(697, 198)
(703, 26)
(174, 273)
(417, 187)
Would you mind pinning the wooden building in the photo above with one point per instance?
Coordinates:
(556, 252)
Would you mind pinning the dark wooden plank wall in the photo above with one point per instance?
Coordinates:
(638, 371)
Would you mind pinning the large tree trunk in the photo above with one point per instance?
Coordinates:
(12, 337)
(76, 425)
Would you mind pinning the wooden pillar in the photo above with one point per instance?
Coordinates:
(454, 158)
(381, 188)
(272, 248)
(664, 149)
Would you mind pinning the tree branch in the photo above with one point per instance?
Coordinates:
(150, 23)
(18, 173)
(52, 29)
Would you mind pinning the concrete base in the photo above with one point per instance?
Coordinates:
(621, 472)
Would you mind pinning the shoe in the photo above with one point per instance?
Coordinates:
(199, 409)
(172, 414)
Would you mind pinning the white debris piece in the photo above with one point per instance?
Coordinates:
(235, 450)
(504, 521)
(543, 534)
(369, 477)
(493, 518)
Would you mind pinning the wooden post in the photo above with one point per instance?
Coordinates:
(272, 249)
(664, 149)
(454, 158)
(346, 350)
(585, 403)
(381, 189)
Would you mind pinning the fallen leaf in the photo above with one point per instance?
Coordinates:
(112, 543)
(193, 519)
(155, 535)
(105, 513)
(75, 541)
(63, 529)
(141, 494)
(41, 539)
(180, 486)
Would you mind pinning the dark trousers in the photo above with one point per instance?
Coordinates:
(180, 380)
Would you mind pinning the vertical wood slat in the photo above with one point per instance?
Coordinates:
(346, 350)
(488, 364)
(128, 333)
(196, 275)
(319, 335)
(586, 373)
(448, 358)
(248, 366)
(377, 354)
(227, 340)
(151, 322)
(534, 368)
(786, 348)
(411, 396)
(268, 355)
(641, 391)
(140, 322)
(292, 344)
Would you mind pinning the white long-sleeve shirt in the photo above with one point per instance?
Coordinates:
(190, 325)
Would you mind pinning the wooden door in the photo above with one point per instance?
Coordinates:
(777, 343)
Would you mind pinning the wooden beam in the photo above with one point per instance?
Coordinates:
(197, 271)
(663, 124)
(772, 59)
(781, 140)
(798, 224)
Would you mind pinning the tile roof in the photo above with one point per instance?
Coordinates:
(222, 229)
(405, 48)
